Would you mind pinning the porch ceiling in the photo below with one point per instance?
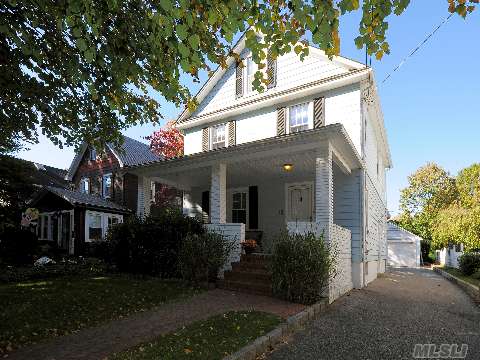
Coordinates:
(259, 161)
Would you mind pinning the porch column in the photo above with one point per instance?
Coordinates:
(324, 191)
(144, 196)
(218, 194)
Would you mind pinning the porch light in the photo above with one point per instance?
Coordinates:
(288, 167)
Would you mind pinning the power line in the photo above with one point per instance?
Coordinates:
(418, 47)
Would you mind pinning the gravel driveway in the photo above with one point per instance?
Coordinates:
(386, 319)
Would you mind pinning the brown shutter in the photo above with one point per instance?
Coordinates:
(319, 112)
(232, 133)
(205, 139)
(281, 121)
(239, 80)
(271, 70)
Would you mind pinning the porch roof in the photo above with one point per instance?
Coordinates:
(295, 147)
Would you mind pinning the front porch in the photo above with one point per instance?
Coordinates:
(248, 190)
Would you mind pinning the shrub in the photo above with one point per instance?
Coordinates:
(98, 249)
(150, 246)
(301, 266)
(469, 263)
(18, 246)
(202, 256)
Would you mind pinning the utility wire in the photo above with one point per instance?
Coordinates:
(418, 47)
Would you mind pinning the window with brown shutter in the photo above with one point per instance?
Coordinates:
(271, 70)
(319, 112)
(281, 121)
(205, 139)
(239, 80)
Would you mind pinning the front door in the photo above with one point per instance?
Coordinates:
(300, 202)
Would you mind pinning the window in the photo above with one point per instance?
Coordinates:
(218, 136)
(239, 207)
(85, 186)
(95, 227)
(93, 154)
(250, 76)
(107, 186)
(298, 118)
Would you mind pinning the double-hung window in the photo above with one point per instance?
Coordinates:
(85, 185)
(93, 154)
(107, 186)
(94, 227)
(218, 136)
(299, 118)
(239, 207)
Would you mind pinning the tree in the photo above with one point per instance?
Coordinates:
(16, 188)
(457, 225)
(81, 70)
(430, 190)
(468, 186)
(167, 142)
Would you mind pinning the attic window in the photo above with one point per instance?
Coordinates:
(93, 155)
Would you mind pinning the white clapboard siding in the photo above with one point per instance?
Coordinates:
(291, 71)
(376, 240)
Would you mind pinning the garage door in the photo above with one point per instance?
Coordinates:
(402, 254)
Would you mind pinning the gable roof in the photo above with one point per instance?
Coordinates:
(397, 233)
(238, 48)
(77, 198)
(132, 152)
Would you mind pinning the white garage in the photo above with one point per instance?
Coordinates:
(403, 247)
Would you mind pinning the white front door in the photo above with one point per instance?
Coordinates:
(300, 202)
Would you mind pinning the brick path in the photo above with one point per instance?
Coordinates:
(101, 341)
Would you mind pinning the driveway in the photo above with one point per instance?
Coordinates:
(387, 318)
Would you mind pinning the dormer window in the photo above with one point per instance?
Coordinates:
(217, 137)
(85, 185)
(93, 154)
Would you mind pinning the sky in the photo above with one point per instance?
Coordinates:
(431, 105)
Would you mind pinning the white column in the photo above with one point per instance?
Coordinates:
(218, 194)
(324, 191)
(143, 196)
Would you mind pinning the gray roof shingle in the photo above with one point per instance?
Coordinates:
(78, 198)
(133, 152)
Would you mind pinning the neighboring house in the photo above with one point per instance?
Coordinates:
(449, 256)
(102, 192)
(404, 248)
(309, 153)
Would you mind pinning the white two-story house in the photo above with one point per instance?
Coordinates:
(309, 153)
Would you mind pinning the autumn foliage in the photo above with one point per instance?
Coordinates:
(167, 142)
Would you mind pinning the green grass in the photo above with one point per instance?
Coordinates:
(457, 273)
(40, 309)
(210, 339)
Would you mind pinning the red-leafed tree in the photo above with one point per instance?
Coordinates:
(167, 142)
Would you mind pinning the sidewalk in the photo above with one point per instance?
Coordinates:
(101, 341)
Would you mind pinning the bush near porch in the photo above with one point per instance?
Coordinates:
(469, 263)
(300, 265)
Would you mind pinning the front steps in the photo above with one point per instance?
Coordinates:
(250, 275)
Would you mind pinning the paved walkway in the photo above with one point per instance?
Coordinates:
(101, 341)
(386, 319)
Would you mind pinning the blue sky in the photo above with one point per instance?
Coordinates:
(431, 104)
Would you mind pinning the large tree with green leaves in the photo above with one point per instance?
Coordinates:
(85, 69)
(430, 189)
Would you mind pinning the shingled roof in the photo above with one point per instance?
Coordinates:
(77, 198)
(131, 153)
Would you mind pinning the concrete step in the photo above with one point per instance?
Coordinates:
(247, 287)
(259, 276)
(256, 258)
(249, 266)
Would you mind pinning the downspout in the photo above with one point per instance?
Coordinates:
(363, 185)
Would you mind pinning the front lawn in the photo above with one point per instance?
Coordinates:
(211, 339)
(35, 310)
(457, 273)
